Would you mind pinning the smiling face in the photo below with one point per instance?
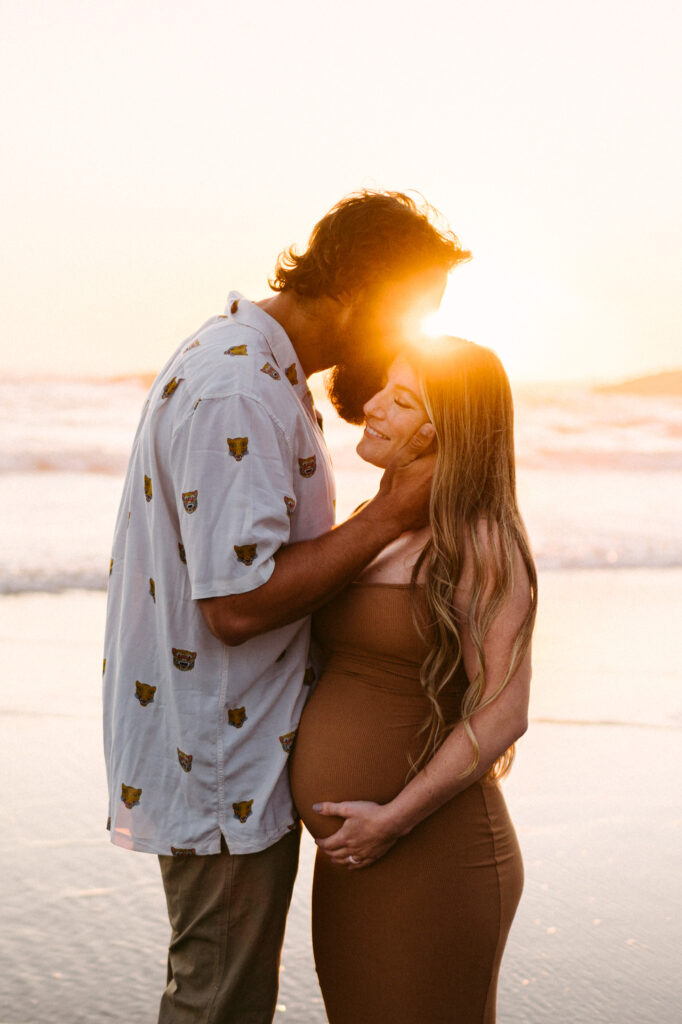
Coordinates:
(392, 415)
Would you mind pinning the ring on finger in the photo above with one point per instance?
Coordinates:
(353, 860)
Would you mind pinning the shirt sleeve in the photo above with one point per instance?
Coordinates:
(232, 469)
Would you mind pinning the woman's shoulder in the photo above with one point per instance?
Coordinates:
(488, 550)
(490, 541)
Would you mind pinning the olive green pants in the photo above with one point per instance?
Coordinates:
(227, 914)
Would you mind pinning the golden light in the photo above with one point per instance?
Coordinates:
(432, 339)
(490, 305)
(517, 311)
(435, 325)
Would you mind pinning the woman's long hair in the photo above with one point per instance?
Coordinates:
(468, 399)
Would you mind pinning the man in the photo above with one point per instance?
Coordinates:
(223, 546)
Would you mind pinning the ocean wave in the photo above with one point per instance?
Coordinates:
(542, 457)
(112, 463)
(51, 583)
(59, 580)
(558, 459)
(82, 426)
(610, 559)
(568, 460)
(599, 478)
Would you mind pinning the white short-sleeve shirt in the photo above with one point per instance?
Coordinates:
(228, 464)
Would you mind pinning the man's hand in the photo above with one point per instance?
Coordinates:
(310, 572)
(366, 834)
(405, 487)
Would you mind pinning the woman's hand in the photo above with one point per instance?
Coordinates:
(366, 834)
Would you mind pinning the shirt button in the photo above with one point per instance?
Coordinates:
(234, 307)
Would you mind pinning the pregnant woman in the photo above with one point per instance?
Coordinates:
(412, 723)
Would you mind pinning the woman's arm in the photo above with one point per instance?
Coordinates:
(370, 829)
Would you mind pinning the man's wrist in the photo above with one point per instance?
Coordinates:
(379, 514)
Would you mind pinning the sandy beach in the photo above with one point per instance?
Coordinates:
(593, 793)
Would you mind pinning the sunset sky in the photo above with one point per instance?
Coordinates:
(158, 154)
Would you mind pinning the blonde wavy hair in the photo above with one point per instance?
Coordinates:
(468, 400)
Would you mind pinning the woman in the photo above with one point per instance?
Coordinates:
(424, 692)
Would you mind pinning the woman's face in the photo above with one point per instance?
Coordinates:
(392, 416)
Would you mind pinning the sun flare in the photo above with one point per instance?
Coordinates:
(436, 324)
(482, 306)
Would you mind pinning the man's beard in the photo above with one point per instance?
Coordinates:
(350, 385)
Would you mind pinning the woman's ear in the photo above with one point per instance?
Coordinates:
(432, 447)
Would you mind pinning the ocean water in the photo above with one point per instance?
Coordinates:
(599, 476)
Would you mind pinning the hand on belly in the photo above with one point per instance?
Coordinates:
(367, 832)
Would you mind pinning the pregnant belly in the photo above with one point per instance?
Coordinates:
(354, 743)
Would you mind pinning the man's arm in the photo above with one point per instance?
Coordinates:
(308, 573)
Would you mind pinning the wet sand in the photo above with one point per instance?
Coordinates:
(594, 794)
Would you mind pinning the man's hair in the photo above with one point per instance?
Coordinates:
(367, 239)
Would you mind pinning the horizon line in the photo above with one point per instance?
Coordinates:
(146, 377)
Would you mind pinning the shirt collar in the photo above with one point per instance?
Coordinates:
(241, 311)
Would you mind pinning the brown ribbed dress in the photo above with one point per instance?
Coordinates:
(418, 936)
